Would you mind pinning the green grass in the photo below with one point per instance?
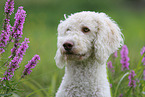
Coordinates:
(41, 28)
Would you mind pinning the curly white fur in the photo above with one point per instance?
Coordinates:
(85, 68)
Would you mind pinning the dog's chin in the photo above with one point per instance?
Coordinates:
(76, 57)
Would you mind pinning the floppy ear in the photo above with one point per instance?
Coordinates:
(108, 38)
(59, 59)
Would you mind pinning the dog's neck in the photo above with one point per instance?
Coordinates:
(84, 70)
(87, 78)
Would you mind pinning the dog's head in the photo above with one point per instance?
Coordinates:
(87, 34)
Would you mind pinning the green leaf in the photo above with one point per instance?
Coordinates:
(120, 83)
(36, 91)
(139, 63)
(52, 88)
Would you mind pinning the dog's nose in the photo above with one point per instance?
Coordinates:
(68, 46)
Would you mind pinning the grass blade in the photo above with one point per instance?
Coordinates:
(120, 83)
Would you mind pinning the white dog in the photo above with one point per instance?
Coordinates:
(85, 42)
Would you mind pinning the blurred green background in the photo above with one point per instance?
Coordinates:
(40, 27)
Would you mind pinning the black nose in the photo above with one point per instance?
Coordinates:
(68, 46)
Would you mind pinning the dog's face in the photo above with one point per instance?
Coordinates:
(75, 37)
(85, 34)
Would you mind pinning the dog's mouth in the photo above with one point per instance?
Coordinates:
(71, 56)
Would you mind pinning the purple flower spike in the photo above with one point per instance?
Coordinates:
(13, 65)
(22, 49)
(9, 7)
(132, 82)
(4, 37)
(31, 64)
(17, 29)
(124, 57)
(19, 21)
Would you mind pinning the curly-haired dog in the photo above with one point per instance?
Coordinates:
(85, 42)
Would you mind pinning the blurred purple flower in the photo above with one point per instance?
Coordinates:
(124, 57)
(110, 85)
(144, 74)
(115, 54)
(142, 51)
(132, 82)
(143, 60)
(121, 95)
(31, 64)
(109, 65)
(17, 29)
(13, 65)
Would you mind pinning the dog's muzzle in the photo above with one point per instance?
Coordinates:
(68, 46)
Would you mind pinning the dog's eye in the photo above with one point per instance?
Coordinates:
(85, 29)
(67, 29)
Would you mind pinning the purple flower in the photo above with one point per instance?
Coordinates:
(124, 57)
(143, 60)
(4, 37)
(31, 64)
(1, 50)
(115, 54)
(110, 85)
(17, 29)
(132, 82)
(9, 7)
(144, 74)
(22, 49)
(19, 21)
(121, 95)
(109, 65)
(142, 52)
(13, 65)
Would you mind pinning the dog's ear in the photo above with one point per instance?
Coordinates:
(59, 59)
(108, 37)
